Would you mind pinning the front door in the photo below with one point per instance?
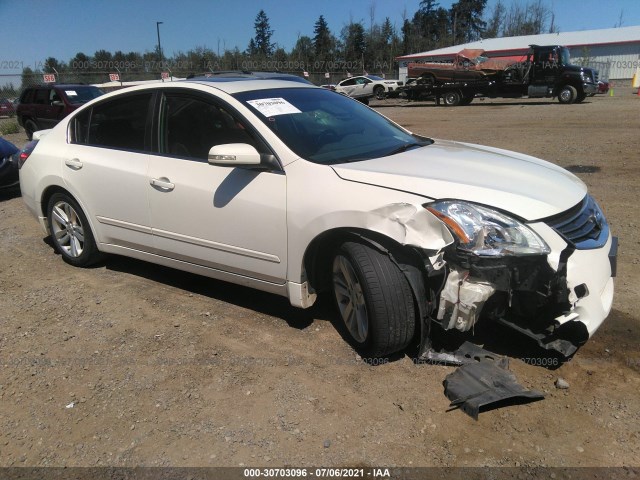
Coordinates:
(227, 218)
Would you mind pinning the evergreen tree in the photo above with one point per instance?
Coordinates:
(322, 40)
(261, 43)
(466, 17)
(353, 38)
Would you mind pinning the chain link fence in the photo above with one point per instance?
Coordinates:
(12, 86)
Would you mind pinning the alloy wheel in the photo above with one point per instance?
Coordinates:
(350, 299)
(68, 231)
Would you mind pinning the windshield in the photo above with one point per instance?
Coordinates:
(77, 95)
(565, 57)
(325, 127)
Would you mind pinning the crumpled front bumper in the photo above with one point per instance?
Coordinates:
(589, 278)
(559, 300)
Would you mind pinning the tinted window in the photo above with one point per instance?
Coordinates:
(27, 96)
(118, 123)
(191, 125)
(42, 96)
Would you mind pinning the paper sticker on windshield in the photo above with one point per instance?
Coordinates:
(270, 107)
(71, 93)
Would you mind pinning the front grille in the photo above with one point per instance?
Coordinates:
(583, 226)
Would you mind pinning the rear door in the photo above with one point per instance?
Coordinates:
(106, 166)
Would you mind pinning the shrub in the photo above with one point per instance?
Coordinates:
(9, 127)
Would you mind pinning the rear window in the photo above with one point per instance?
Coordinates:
(27, 96)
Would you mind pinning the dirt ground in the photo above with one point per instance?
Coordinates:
(132, 364)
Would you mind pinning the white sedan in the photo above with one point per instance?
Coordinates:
(296, 190)
(367, 86)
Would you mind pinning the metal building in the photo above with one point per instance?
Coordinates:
(614, 52)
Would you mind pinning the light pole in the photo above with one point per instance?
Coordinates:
(159, 47)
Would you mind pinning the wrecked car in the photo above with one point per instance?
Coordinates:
(298, 191)
(467, 65)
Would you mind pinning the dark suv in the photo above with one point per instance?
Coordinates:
(43, 106)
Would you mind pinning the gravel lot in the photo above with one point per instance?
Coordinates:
(132, 364)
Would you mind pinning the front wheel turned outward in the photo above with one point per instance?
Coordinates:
(374, 299)
(70, 231)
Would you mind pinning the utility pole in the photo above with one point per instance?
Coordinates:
(159, 47)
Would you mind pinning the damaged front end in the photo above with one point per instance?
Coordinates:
(548, 280)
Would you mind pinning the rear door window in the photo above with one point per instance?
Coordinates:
(121, 123)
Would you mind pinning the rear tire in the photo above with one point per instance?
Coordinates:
(428, 80)
(374, 300)
(452, 98)
(70, 231)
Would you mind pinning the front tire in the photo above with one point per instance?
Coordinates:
(379, 93)
(567, 94)
(374, 300)
(70, 231)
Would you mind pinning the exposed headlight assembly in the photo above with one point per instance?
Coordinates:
(486, 232)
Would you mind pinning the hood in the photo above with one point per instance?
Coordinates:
(577, 68)
(525, 186)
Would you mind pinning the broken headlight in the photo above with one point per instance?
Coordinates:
(486, 232)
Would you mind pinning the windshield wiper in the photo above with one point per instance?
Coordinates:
(407, 146)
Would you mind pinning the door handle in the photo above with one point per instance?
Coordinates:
(162, 183)
(74, 164)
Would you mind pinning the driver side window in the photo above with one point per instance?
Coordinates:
(190, 126)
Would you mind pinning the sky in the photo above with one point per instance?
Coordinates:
(60, 29)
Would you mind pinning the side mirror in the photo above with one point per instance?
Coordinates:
(234, 155)
(57, 103)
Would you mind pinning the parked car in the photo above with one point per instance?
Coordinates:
(8, 164)
(43, 106)
(368, 86)
(299, 191)
(603, 87)
(7, 108)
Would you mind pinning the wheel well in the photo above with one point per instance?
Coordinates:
(48, 193)
(572, 83)
(319, 253)
(318, 266)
